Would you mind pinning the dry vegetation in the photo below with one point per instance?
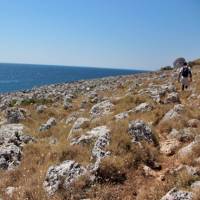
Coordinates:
(121, 175)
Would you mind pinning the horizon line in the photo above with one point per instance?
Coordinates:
(83, 66)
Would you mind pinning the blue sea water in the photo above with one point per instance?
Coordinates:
(14, 77)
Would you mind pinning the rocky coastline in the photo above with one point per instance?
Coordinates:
(118, 137)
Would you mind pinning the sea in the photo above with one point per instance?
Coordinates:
(20, 77)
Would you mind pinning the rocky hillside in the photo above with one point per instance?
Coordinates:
(131, 137)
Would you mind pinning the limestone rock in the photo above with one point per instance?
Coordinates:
(194, 123)
(102, 108)
(62, 175)
(172, 98)
(9, 191)
(79, 124)
(102, 136)
(67, 102)
(41, 108)
(175, 194)
(196, 185)
(50, 123)
(187, 150)
(174, 113)
(121, 116)
(14, 115)
(169, 147)
(12, 141)
(143, 107)
(140, 131)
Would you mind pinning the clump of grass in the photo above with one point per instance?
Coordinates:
(111, 170)
(81, 154)
(26, 102)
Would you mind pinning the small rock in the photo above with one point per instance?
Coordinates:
(67, 104)
(9, 191)
(121, 116)
(175, 194)
(100, 109)
(194, 123)
(169, 147)
(188, 150)
(102, 136)
(172, 98)
(140, 131)
(196, 185)
(62, 175)
(143, 107)
(51, 122)
(79, 124)
(174, 113)
(14, 115)
(41, 108)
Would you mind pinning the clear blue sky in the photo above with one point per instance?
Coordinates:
(143, 34)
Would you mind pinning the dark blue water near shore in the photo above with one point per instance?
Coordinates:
(14, 77)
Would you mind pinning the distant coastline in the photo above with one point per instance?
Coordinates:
(16, 76)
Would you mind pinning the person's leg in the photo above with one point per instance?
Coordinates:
(182, 87)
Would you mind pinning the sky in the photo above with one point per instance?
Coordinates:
(138, 34)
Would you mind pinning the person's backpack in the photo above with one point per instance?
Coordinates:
(185, 72)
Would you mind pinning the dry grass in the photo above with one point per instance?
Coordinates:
(120, 175)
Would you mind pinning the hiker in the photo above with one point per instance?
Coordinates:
(185, 76)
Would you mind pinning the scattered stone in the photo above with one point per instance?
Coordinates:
(149, 172)
(102, 136)
(12, 141)
(175, 194)
(62, 176)
(102, 108)
(196, 185)
(9, 191)
(14, 115)
(121, 116)
(67, 102)
(140, 131)
(50, 123)
(187, 150)
(172, 98)
(41, 108)
(194, 123)
(174, 134)
(143, 107)
(186, 135)
(191, 171)
(174, 113)
(169, 147)
(80, 124)
(53, 140)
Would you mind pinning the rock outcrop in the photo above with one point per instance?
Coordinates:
(143, 107)
(12, 141)
(14, 115)
(50, 123)
(174, 113)
(100, 109)
(140, 131)
(62, 175)
(176, 194)
(101, 135)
